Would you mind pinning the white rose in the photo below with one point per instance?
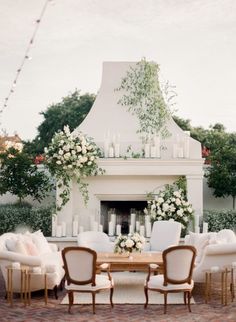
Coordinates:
(84, 150)
(177, 201)
(92, 158)
(145, 211)
(159, 212)
(66, 148)
(78, 148)
(69, 166)
(165, 206)
(160, 200)
(177, 194)
(61, 152)
(180, 212)
(122, 244)
(58, 162)
(190, 210)
(139, 245)
(89, 163)
(129, 243)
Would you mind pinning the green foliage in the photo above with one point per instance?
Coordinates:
(13, 217)
(182, 123)
(221, 175)
(220, 219)
(21, 177)
(71, 111)
(143, 97)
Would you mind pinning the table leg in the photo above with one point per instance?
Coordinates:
(206, 287)
(222, 287)
(226, 286)
(45, 289)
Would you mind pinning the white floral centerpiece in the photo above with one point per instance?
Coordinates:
(129, 244)
(170, 203)
(72, 155)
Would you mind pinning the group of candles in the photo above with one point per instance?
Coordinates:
(181, 146)
(135, 226)
(58, 229)
(197, 227)
(152, 148)
(112, 145)
(94, 224)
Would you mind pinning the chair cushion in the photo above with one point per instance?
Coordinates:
(156, 282)
(102, 282)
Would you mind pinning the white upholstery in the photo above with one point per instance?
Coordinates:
(95, 240)
(50, 262)
(220, 250)
(157, 281)
(102, 282)
(164, 234)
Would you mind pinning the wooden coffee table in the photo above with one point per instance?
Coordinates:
(132, 262)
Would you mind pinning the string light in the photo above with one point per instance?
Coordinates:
(26, 57)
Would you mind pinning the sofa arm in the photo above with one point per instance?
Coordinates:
(53, 246)
(217, 249)
(23, 259)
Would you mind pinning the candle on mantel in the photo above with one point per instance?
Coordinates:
(100, 228)
(196, 220)
(137, 226)
(131, 229)
(95, 226)
(157, 144)
(59, 231)
(205, 227)
(197, 229)
(147, 150)
(148, 229)
(132, 219)
(111, 152)
(75, 225)
(54, 225)
(81, 229)
(153, 152)
(117, 150)
(63, 228)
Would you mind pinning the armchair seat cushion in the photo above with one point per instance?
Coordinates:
(156, 282)
(102, 282)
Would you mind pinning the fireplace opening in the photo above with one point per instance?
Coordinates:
(122, 211)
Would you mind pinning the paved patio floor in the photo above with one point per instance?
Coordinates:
(213, 312)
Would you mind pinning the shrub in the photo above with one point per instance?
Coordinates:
(220, 219)
(15, 216)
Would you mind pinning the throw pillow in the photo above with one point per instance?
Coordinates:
(41, 242)
(199, 241)
(31, 248)
(20, 247)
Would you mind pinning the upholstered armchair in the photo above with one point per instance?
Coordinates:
(178, 262)
(95, 240)
(165, 233)
(80, 274)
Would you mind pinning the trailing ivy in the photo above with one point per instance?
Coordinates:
(143, 97)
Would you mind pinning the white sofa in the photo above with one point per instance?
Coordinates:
(33, 250)
(213, 249)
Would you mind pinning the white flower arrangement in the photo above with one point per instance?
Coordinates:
(130, 243)
(170, 203)
(72, 155)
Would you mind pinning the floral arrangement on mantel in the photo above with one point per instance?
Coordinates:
(129, 244)
(142, 95)
(72, 156)
(170, 203)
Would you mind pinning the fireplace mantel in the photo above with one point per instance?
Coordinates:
(152, 167)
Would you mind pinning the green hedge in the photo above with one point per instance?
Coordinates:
(12, 217)
(220, 219)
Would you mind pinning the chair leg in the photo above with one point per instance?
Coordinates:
(189, 299)
(111, 296)
(146, 296)
(55, 291)
(185, 298)
(165, 302)
(71, 300)
(93, 297)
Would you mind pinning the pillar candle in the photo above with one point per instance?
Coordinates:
(63, 229)
(59, 231)
(180, 152)
(137, 225)
(205, 227)
(196, 220)
(175, 151)
(147, 150)
(157, 143)
(95, 226)
(117, 150)
(111, 152)
(186, 146)
(153, 152)
(106, 148)
(100, 228)
(142, 230)
(148, 229)
(110, 229)
(118, 229)
(131, 229)
(75, 228)
(54, 225)
(132, 219)
(113, 220)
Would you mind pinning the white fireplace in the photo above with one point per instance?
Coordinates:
(130, 179)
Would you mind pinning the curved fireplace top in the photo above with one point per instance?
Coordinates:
(109, 119)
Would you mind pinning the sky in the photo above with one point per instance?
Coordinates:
(193, 41)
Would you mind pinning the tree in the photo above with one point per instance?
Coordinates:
(221, 175)
(71, 111)
(21, 177)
